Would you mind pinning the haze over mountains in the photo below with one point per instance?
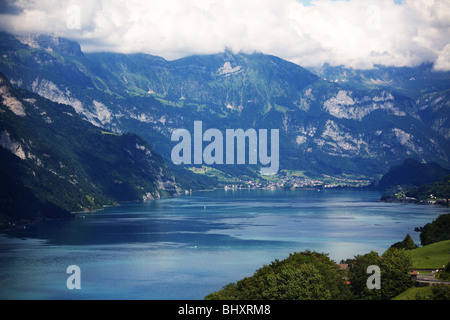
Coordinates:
(354, 122)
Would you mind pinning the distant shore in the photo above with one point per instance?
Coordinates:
(444, 202)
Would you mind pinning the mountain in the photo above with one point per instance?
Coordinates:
(326, 127)
(427, 87)
(413, 82)
(413, 173)
(53, 162)
(434, 110)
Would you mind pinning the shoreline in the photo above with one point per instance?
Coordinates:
(441, 202)
(24, 223)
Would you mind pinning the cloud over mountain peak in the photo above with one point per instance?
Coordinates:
(354, 33)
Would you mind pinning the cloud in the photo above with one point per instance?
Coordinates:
(8, 7)
(353, 33)
(443, 61)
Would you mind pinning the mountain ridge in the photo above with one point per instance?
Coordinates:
(325, 127)
(53, 162)
(413, 173)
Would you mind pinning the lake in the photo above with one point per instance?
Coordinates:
(188, 246)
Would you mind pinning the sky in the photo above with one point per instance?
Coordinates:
(352, 33)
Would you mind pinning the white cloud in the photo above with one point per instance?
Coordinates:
(354, 33)
(443, 61)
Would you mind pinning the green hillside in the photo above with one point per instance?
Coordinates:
(431, 191)
(414, 292)
(413, 173)
(331, 128)
(53, 162)
(431, 256)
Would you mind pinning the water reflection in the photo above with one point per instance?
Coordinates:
(186, 247)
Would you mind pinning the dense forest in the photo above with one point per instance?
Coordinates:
(436, 231)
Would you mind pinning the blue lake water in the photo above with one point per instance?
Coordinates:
(188, 246)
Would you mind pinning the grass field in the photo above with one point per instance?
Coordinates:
(413, 292)
(213, 172)
(294, 173)
(432, 256)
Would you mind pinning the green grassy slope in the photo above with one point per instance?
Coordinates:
(431, 256)
(434, 255)
(414, 292)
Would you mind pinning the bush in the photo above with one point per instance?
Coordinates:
(444, 274)
(301, 276)
(394, 266)
(441, 292)
(407, 244)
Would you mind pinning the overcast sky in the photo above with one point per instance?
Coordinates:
(353, 33)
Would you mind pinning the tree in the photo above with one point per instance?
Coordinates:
(296, 282)
(438, 230)
(358, 276)
(440, 292)
(302, 276)
(407, 244)
(394, 266)
(444, 274)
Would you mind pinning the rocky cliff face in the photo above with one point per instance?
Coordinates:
(434, 109)
(50, 153)
(51, 43)
(360, 122)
